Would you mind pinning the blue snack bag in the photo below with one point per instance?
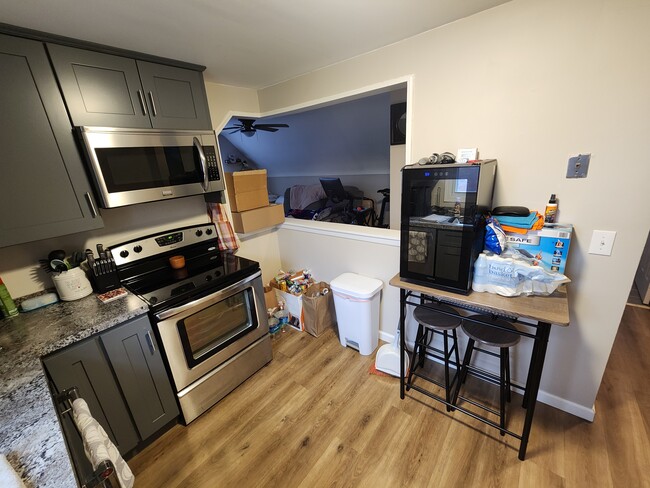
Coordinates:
(495, 238)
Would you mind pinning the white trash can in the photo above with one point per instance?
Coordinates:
(356, 300)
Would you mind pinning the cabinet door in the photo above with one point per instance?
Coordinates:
(99, 89)
(84, 365)
(137, 362)
(176, 97)
(43, 187)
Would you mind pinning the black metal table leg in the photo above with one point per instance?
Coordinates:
(402, 339)
(534, 378)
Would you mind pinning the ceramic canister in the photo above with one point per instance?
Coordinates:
(72, 284)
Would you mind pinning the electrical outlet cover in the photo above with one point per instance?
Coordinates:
(602, 242)
(578, 166)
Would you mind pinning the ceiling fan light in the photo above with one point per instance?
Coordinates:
(248, 133)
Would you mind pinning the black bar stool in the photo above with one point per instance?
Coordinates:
(432, 321)
(495, 337)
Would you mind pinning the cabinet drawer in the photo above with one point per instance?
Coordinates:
(450, 238)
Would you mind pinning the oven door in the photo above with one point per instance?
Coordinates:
(137, 165)
(199, 336)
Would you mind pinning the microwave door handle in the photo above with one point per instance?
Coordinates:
(204, 164)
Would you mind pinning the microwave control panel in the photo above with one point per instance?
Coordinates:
(212, 162)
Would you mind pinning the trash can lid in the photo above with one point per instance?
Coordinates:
(356, 285)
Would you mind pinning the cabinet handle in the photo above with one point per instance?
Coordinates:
(152, 348)
(143, 102)
(204, 163)
(91, 204)
(153, 105)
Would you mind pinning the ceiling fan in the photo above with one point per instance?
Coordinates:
(248, 127)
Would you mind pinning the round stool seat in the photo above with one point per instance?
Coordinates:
(428, 316)
(489, 335)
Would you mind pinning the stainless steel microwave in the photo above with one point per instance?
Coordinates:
(132, 166)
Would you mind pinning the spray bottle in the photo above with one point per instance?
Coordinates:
(550, 214)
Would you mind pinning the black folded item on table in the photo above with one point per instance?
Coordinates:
(511, 211)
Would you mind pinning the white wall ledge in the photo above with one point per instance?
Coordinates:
(387, 237)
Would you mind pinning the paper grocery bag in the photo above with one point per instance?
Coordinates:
(318, 309)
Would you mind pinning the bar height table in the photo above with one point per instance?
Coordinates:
(543, 310)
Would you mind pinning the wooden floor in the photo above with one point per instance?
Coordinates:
(315, 417)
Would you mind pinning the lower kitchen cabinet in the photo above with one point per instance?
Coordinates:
(138, 366)
(121, 375)
(84, 365)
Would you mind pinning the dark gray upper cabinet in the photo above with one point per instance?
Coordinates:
(135, 357)
(114, 91)
(43, 187)
(176, 96)
(100, 89)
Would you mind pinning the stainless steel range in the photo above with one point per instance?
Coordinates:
(209, 314)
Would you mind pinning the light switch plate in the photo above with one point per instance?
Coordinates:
(602, 242)
(578, 166)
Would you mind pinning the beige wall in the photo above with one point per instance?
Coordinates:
(226, 101)
(532, 83)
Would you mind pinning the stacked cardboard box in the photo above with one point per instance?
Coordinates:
(249, 201)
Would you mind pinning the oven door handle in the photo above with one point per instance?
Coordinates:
(165, 314)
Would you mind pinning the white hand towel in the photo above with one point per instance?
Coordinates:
(97, 445)
(8, 477)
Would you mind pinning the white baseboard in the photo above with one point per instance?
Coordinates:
(567, 406)
(586, 413)
(386, 337)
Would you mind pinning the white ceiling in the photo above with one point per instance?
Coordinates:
(249, 43)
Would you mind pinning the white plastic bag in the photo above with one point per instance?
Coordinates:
(510, 275)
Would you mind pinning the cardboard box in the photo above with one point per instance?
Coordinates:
(247, 190)
(549, 246)
(259, 218)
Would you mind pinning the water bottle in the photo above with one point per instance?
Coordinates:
(7, 306)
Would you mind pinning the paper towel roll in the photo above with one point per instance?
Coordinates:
(8, 477)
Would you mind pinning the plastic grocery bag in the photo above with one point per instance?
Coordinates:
(495, 237)
(511, 275)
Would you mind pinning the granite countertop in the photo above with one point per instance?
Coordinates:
(30, 435)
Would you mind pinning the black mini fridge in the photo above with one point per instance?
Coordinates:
(443, 222)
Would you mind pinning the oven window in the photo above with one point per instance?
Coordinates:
(207, 332)
(139, 168)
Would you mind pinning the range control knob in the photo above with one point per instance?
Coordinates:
(137, 248)
(124, 253)
(208, 278)
(208, 231)
(199, 233)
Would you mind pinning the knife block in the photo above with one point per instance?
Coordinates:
(104, 276)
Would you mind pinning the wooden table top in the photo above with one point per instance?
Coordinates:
(553, 309)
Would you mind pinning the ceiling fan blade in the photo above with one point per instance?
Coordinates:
(234, 127)
(233, 131)
(260, 126)
(266, 129)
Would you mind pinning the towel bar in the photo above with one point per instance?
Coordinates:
(104, 475)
